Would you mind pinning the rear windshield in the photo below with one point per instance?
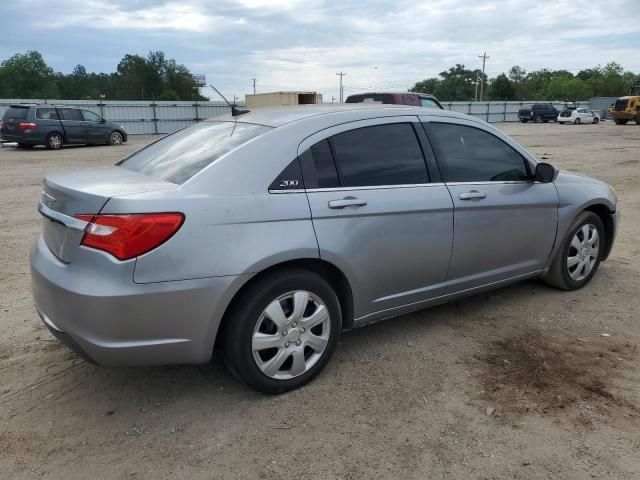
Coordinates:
(179, 156)
(15, 113)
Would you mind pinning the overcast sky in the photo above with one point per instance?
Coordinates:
(301, 44)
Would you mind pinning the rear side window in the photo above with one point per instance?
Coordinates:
(15, 113)
(71, 114)
(46, 114)
(179, 156)
(468, 154)
(379, 155)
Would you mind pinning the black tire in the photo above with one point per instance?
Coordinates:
(243, 317)
(54, 141)
(638, 119)
(621, 121)
(545, 121)
(116, 138)
(576, 121)
(524, 120)
(537, 118)
(596, 120)
(558, 275)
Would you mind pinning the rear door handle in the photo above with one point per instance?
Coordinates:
(347, 202)
(473, 194)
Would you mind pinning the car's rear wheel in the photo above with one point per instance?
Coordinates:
(596, 120)
(54, 141)
(577, 121)
(579, 255)
(115, 138)
(282, 330)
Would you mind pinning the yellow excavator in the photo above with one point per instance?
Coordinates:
(627, 108)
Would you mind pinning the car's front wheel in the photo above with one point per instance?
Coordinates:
(282, 330)
(596, 120)
(115, 138)
(577, 121)
(579, 255)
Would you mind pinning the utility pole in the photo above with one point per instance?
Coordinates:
(475, 96)
(341, 89)
(254, 85)
(234, 98)
(484, 57)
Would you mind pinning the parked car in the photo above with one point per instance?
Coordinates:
(55, 126)
(538, 112)
(402, 98)
(578, 115)
(268, 233)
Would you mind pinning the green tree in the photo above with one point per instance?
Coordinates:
(501, 88)
(27, 76)
(572, 89)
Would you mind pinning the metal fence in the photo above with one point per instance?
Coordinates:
(139, 117)
(494, 112)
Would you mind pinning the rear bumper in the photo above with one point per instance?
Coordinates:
(120, 323)
(24, 139)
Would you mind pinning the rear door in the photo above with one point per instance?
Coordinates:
(378, 213)
(73, 125)
(504, 222)
(97, 128)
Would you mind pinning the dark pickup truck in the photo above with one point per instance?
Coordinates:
(54, 126)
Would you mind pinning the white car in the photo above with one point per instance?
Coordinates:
(578, 115)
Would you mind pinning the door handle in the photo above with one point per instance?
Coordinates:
(473, 194)
(347, 202)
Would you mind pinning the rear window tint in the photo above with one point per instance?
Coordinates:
(179, 156)
(13, 113)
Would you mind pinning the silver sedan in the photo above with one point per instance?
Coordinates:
(267, 233)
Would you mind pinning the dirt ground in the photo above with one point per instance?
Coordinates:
(518, 383)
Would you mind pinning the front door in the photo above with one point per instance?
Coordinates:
(97, 129)
(377, 214)
(504, 222)
(73, 125)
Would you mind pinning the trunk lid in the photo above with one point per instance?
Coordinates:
(84, 192)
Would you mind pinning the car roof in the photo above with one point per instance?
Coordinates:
(278, 116)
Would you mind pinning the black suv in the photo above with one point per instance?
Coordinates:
(54, 126)
(538, 112)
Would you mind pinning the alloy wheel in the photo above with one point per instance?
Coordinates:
(116, 138)
(291, 335)
(583, 252)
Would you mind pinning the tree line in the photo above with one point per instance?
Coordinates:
(136, 78)
(459, 84)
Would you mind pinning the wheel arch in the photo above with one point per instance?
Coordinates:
(604, 213)
(327, 270)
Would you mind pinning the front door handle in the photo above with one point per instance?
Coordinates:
(473, 194)
(347, 202)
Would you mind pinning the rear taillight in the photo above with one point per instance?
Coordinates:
(128, 236)
(1, 125)
(27, 126)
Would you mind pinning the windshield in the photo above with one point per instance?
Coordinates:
(428, 102)
(179, 156)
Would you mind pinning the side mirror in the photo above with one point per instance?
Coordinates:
(102, 120)
(545, 173)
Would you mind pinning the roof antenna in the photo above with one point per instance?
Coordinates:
(235, 111)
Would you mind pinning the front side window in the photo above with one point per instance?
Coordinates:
(89, 116)
(71, 114)
(379, 155)
(179, 156)
(46, 114)
(468, 154)
(428, 102)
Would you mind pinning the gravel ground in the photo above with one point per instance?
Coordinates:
(516, 383)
